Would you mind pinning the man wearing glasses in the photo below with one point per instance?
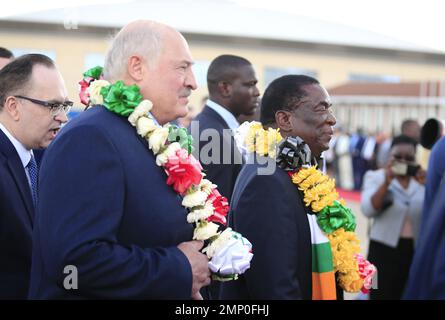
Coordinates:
(33, 107)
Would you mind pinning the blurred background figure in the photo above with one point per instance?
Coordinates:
(344, 176)
(431, 132)
(393, 196)
(411, 128)
(359, 165)
(232, 85)
(384, 140)
(6, 56)
(426, 277)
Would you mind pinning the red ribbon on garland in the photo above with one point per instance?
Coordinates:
(183, 170)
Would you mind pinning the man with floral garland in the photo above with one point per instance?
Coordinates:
(108, 225)
(269, 209)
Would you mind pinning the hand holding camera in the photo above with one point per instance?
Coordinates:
(399, 168)
(404, 169)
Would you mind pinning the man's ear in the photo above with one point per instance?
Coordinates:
(11, 107)
(136, 68)
(283, 120)
(225, 89)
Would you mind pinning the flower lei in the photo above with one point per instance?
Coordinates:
(251, 137)
(228, 251)
(333, 217)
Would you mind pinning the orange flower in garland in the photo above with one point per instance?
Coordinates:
(320, 194)
(319, 189)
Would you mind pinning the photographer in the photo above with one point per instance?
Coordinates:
(394, 197)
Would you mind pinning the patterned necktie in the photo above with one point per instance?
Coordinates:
(33, 175)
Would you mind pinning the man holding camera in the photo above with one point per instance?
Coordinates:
(393, 197)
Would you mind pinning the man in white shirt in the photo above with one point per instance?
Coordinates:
(233, 91)
(33, 107)
(232, 85)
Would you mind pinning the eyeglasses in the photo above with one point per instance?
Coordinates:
(402, 157)
(54, 107)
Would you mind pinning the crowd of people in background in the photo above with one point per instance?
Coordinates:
(352, 154)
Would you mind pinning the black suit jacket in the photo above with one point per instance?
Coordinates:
(16, 221)
(226, 160)
(110, 214)
(426, 277)
(268, 210)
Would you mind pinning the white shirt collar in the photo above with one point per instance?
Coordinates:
(152, 117)
(228, 117)
(24, 154)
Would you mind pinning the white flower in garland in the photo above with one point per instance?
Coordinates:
(205, 230)
(141, 110)
(157, 139)
(94, 91)
(241, 134)
(144, 126)
(223, 238)
(232, 258)
(162, 158)
(207, 186)
(194, 199)
(199, 214)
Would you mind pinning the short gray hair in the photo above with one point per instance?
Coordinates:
(144, 40)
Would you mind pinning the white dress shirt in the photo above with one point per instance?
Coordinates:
(231, 121)
(228, 117)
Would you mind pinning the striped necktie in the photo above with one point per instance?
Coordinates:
(33, 176)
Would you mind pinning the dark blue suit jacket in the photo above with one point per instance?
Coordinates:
(16, 219)
(435, 173)
(427, 274)
(105, 208)
(268, 210)
(229, 160)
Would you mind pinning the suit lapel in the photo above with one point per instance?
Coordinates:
(18, 173)
(237, 156)
(215, 115)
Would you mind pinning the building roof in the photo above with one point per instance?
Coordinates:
(404, 89)
(405, 93)
(222, 17)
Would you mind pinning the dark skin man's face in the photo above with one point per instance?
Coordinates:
(312, 120)
(245, 94)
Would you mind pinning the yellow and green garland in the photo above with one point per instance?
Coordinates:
(333, 218)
